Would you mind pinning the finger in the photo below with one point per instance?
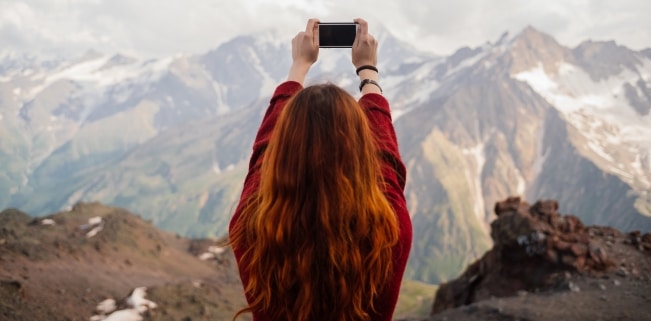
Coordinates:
(356, 41)
(363, 26)
(315, 34)
(311, 24)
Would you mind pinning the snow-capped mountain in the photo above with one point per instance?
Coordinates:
(170, 138)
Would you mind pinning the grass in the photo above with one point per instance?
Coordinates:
(415, 299)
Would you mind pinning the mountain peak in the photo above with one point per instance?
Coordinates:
(605, 58)
(531, 32)
(532, 47)
(647, 52)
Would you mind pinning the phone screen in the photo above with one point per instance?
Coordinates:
(337, 34)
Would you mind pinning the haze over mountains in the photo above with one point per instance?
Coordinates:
(170, 138)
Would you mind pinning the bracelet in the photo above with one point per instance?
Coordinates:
(369, 81)
(365, 67)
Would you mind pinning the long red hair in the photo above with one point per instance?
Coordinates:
(318, 233)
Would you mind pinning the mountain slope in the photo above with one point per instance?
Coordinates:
(55, 268)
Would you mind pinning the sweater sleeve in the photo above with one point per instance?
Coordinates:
(378, 113)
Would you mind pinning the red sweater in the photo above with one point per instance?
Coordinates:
(377, 110)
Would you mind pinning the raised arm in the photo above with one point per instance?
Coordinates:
(305, 52)
(378, 113)
(364, 58)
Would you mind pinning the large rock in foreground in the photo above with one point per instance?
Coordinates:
(545, 266)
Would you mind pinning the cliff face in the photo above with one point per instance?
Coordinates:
(548, 266)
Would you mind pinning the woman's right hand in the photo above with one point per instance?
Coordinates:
(365, 46)
(364, 53)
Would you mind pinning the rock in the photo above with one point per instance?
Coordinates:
(574, 287)
(579, 249)
(535, 248)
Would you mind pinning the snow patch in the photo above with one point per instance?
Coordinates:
(136, 304)
(601, 112)
(213, 252)
(468, 62)
(138, 301)
(107, 306)
(28, 72)
(95, 220)
(94, 226)
(220, 91)
(537, 79)
(522, 184)
(395, 114)
(94, 77)
(420, 83)
(541, 155)
(120, 315)
(48, 221)
(477, 155)
(599, 150)
(268, 83)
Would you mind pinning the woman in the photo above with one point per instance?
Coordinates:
(322, 231)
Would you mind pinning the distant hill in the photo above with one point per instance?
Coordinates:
(62, 266)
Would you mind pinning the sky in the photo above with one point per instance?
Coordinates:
(157, 28)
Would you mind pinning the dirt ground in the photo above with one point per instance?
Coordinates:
(55, 272)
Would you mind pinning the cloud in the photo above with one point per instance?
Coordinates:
(166, 27)
(447, 25)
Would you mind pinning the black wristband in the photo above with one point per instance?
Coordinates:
(369, 81)
(366, 67)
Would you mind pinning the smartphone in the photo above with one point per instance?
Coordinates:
(337, 34)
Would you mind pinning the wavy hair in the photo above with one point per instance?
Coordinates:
(318, 233)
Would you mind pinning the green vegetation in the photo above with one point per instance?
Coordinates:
(449, 234)
(415, 299)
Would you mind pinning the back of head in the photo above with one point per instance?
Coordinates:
(321, 138)
(319, 230)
